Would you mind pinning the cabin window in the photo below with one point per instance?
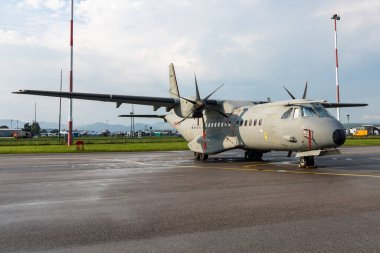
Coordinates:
(260, 121)
(241, 122)
(287, 114)
(245, 122)
(255, 122)
(250, 122)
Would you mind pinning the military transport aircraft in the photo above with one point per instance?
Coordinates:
(213, 126)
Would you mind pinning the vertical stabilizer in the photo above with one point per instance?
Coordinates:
(173, 87)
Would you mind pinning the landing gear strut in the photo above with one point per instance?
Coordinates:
(200, 156)
(306, 162)
(253, 155)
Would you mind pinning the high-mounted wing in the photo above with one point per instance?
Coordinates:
(142, 116)
(156, 102)
(335, 105)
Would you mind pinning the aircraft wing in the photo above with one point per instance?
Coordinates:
(335, 105)
(156, 102)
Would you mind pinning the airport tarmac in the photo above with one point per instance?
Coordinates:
(166, 202)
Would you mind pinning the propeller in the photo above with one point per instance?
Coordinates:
(199, 106)
(293, 97)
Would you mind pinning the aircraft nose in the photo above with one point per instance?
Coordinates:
(339, 137)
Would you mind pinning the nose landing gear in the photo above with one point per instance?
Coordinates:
(306, 162)
(200, 156)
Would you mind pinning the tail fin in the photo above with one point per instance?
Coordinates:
(173, 87)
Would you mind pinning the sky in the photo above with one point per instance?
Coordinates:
(253, 47)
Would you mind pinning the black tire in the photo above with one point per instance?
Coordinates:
(310, 162)
(197, 156)
(203, 157)
(258, 156)
(303, 162)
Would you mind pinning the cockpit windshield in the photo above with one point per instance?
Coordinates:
(307, 111)
(312, 110)
(322, 112)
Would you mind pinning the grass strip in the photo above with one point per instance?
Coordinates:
(362, 142)
(89, 148)
(142, 145)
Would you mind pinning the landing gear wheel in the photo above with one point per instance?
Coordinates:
(203, 157)
(197, 156)
(306, 162)
(253, 155)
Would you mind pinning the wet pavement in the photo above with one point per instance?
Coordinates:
(166, 202)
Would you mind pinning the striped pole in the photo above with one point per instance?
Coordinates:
(70, 136)
(336, 17)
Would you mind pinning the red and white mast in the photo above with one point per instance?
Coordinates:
(70, 136)
(336, 17)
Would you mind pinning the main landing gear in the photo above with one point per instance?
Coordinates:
(306, 162)
(200, 156)
(253, 155)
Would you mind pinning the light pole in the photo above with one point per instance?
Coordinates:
(132, 123)
(336, 17)
(348, 123)
(60, 107)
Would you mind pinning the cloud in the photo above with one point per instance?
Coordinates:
(53, 5)
(254, 47)
(15, 38)
(371, 118)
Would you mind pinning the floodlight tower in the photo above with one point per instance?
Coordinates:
(336, 17)
(70, 135)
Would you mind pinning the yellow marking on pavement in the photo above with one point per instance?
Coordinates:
(301, 172)
(252, 168)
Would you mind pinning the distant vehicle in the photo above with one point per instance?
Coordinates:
(214, 126)
(361, 133)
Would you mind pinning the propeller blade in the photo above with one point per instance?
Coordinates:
(188, 100)
(290, 94)
(305, 91)
(198, 97)
(205, 99)
(179, 122)
(216, 110)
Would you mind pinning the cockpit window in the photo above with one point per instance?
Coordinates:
(308, 111)
(287, 114)
(322, 112)
(297, 113)
(313, 110)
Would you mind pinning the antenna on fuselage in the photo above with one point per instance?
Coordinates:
(293, 97)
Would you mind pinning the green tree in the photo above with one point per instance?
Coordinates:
(27, 127)
(35, 128)
(4, 127)
(54, 131)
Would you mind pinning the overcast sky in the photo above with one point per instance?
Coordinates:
(124, 47)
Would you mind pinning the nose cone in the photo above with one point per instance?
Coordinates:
(339, 137)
